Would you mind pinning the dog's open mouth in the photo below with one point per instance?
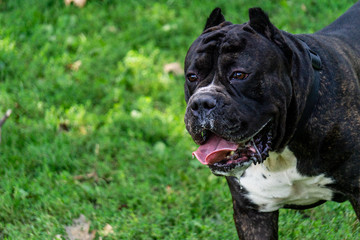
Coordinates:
(223, 156)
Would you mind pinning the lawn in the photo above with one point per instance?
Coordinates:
(97, 124)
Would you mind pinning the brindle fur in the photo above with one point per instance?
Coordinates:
(329, 142)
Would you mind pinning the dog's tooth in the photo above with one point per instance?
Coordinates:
(253, 160)
(257, 150)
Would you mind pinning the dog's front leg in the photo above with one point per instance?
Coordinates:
(251, 224)
(355, 202)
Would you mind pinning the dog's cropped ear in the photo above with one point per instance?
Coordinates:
(260, 22)
(214, 19)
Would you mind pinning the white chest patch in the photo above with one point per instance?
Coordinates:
(276, 182)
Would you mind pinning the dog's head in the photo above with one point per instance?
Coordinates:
(239, 92)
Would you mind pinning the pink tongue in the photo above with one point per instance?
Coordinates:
(214, 150)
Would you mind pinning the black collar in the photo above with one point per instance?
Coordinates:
(314, 92)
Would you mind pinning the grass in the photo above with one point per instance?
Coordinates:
(97, 125)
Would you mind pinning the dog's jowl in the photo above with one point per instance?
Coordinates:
(277, 114)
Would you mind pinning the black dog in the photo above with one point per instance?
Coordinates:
(277, 114)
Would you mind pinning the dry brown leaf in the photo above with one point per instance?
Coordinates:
(64, 126)
(303, 7)
(174, 68)
(91, 175)
(3, 120)
(75, 66)
(107, 230)
(78, 3)
(80, 229)
(6, 116)
(169, 190)
(58, 237)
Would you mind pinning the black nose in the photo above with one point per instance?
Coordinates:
(203, 105)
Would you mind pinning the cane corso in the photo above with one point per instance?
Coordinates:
(277, 114)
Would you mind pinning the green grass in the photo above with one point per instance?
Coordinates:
(121, 116)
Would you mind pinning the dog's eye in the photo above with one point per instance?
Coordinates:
(238, 76)
(192, 77)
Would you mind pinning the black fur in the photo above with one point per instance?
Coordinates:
(280, 78)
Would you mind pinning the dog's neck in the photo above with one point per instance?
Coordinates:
(313, 96)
